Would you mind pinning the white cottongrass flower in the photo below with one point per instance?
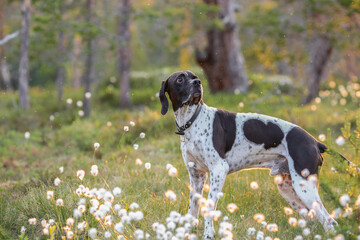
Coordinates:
(306, 232)
(168, 166)
(344, 200)
(32, 221)
(259, 217)
(305, 172)
(147, 165)
(81, 225)
(50, 194)
(136, 146)
(298, 237)
(132, 123)
(59, 202)
(61, 169)
(70, 222)
(272, 227)
(292, 221)
(57, 181)
(302, 223)
(27, 135)
(88, 95)
(46, 231)
(116, 191)
(139, 234)
(317, 237)
(94, 170)
(80, 174)
(107, 234)
(138, 162)
(278, 179)
(77, 212)
(340, 140)
(108, 196)
(69, 234)
(142, 135)
(136, 216)
(263, 224)
(96, 146)
(251, 231)
(288, 211)
(43, 223)
(173, 172)
(79, 103)
(22, 229)
(119, 227)
(122, 213)
(69, 101)
(126, 128)
(303, 212)
(92, 232)
(169, 194)
(322, 137)
(51, 222)
(191, 164)
(219, 195)
(81, 113)
(254, 185)
(52, 118)
(134, 206)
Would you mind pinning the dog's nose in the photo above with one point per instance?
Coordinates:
(197, 82)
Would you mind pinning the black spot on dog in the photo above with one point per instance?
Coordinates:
(304, 150)
(260, 133)
(224, 131)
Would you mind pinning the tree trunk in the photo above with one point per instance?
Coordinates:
(76, 63)
(89, 62)
(319, 55)
(124, 53)
(1, 37)
(24, 100)
(60, 78)
(222, 60)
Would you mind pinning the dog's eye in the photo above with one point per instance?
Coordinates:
(179, 80)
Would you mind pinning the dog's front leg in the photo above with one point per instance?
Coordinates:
(217, 178)
(197, 180)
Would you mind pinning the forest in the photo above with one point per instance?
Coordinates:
(85, 152)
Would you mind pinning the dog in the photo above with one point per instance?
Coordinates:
(219, 142)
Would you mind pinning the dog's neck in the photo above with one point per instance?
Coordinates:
(184, 114)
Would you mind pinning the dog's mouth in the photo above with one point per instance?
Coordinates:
(196, 97)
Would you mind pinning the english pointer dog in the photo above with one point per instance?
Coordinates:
(219, 142)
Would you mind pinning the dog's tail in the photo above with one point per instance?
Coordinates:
(323, 149)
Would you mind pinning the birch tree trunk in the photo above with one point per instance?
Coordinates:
(24, 100)
(60, 76)
(319, 54)
(124, 53)
(89, 61)
(222, 60)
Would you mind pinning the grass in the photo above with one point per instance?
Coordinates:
(29, 166)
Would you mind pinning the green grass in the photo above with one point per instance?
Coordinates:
(29, 166)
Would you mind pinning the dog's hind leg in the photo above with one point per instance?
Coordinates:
(289, 194)
(307, 191)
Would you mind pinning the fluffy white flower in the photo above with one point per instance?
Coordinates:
(340, 140)
(148, 165)
(344, 200)
(77, 213)
(142, 135)
(57, 181)
(61, 169)
(107, 234)
(134, 206)
(136, 146)
(92, 232)
(59, 202)
(132, 123)
(96, 145)
(119, 227)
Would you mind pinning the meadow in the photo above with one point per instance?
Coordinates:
(119, 174)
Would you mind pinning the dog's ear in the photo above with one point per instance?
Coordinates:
(163, 99)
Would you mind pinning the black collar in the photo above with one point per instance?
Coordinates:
(181, 130)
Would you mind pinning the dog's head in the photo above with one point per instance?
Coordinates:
(183, 88)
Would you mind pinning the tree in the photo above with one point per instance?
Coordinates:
(24, 55)
(124, 52)
(60, 76)
(221, 59)
(89, 58)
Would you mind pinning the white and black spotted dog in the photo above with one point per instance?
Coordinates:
(221, 142)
